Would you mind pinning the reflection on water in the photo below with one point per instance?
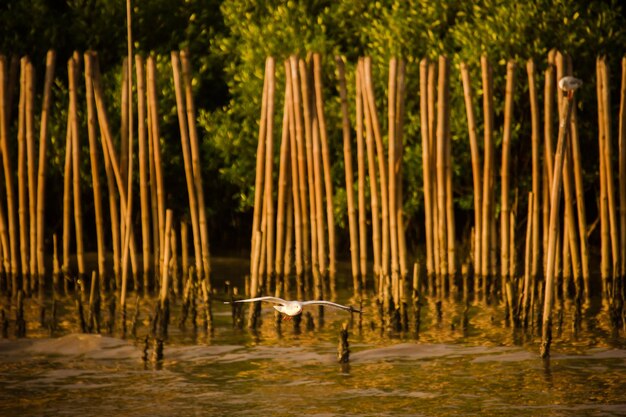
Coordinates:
(482, 367)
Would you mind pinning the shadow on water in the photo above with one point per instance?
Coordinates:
(466, 360)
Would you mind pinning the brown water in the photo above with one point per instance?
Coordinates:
(486, 369)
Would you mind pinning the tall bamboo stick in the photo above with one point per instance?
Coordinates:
(426, 168)
(555, 197)
(347, 158)
(451, 224)
(506, 154)
(67, 196)
(360, 146)
(328, 185)
(622, 169)
(22, 196)
(400, 114)
(195, 159)
(142, 154)
(93, 155)
(166, 254)
(319, 208)
(524, 303)
(283, 181)
(442, 99)
(41, 171)
(184, 138)
(432, 123)
(487, 211)
(156, 150)
(391, 152)
(30, 163)
(536, 175)
(269, 169)
(476, 165)
(604, 222)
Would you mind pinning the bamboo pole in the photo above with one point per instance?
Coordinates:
(166, 254)
(288, 244)
(504, 174)
(432, 123)
(476, 168)
(400, 113)
(451, 226)
(604, 226)
(184, 138)
(156, 152)
(548, 136)
(347, 158)
(303, 110)
(622, 170)
(442, 99)
(41, 171)
(142, 155)
(32, 179)
(283, 182)
(426, 167)
(319, 209)
(295, 188)
(269, 165)
(536, 177)
(184, 247)
(328, 185)
(195, 159)
(524, 304)
(487, 211)
(391, 153)
(382, 168)
(22, 195)
(555, 197)
(67, 196)
(95, 171)
(360, 146)
(374, 199)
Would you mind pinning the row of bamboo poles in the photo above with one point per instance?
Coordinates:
(22, 233)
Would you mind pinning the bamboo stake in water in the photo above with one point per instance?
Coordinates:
(533, 268)
(555, 197)
(476, 168)
(622, 170)
(487, 211)
(451, 224)
(604, 227)
(432, 143)
(506, 153)
(426, 168)
(442, 99)
(21, 176)
(166, 255)
(400, 114)
(347, 158)
(30, 163)
(269, 169)
(283, 181)
(143, 174)
(360, 146)
(391, 152)
(95, 171)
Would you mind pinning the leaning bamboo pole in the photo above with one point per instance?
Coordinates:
(533, 269)
(604, 227)
(391, 153)
(42, 167)
(450, 221)
(555, 198)
(328, 185)
(195, 160)
(476, 162)
(30, 164)
(93, 157)
(504, 174)
(347, 158)
(360, 146)
(442, 99)
(426, 168)
(548, 155)
(156, 150)
(622, 170)
(487, 210)
(21, 177)
(400, 114)
(141, 159)
(319, 209)
(432, 123)
(184, 138)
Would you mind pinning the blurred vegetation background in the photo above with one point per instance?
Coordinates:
(228, 41)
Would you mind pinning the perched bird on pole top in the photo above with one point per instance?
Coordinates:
(569, 83)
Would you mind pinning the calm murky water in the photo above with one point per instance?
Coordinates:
(486, 369)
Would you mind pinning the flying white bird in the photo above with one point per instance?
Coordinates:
(293, 308)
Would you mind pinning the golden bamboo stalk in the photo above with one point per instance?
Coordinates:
(374, 199)
(536, 174)
(432, 123)
(487, 211)
(504, 174)
(166, 254)
(303, 110)
(195, 159)
(360, 146)
(528, 261)
(41, 171)
(67, 196)
(476, 165)
(442, 100)
(555, 197)
(328, 184)
(184, 138)
(426, 168)
(283, 181)
(93, 156)
(400, 113)
(21, 176)
(269, 167)
(622, 169)
(142, 154)
(156, 152)
(391, 154)
(382, 168)
(319, 209)
(30, 163)
(288, 244)
(604, 223)
(153, 194)
(347, 159)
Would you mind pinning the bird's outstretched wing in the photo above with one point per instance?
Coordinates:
(266, 298)
(330, 304)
